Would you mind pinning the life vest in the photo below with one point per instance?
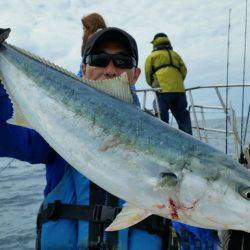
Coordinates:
(57, 232)
(165, 69)
(172, 63)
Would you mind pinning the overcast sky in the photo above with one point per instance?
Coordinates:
(197, 30)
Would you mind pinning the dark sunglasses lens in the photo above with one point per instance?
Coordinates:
(102, 60)
(98, 60)
(123, 62)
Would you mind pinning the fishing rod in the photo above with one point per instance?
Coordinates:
(246, 126)
(5, 167)
(243, 89)
(228, 45)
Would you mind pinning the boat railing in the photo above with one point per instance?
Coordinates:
(199, 113)
(144, 93)
(200, 124)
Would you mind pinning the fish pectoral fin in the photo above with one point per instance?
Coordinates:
(17, 117)
(129, 216)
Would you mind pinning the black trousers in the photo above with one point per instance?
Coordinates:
(177, 103)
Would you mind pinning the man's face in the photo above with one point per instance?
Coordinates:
(110, 71)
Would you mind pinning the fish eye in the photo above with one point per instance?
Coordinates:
(168, 174)
(245, 192)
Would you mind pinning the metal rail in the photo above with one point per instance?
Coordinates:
(230, 116)
(218, 86)
(199, 112)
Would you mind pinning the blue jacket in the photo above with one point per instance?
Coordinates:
(194, 238)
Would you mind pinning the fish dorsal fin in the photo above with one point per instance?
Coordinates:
(17, 116)
(129, 216)
(117, 87)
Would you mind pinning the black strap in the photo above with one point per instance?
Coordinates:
(170, 64)
(239, 240)
(38, 230)
(171, 61)
(155, 69)
(96, 229)
(98, 213)
(101, 216)
(112, 238)
(170, 58)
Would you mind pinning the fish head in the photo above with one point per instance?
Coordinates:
(217, 197)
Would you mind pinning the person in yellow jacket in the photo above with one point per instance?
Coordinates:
(165, 69)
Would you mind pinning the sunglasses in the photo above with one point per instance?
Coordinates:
(103, 59)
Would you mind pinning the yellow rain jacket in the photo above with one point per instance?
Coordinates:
(165, 68)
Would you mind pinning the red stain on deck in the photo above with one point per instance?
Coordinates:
(173, 208)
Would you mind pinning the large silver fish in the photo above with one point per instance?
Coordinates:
(157, 169)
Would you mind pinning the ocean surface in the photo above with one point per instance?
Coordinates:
(21, 193)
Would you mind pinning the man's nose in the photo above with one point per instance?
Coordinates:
(110, 70)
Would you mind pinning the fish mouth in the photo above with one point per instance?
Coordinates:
(210, 223)
(219, 220)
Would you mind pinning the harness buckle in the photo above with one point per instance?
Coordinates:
(97, 211)
(100, 245)
(53, 210)
(105, 214)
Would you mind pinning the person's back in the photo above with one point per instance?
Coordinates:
(169, 79)
(164, 68)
